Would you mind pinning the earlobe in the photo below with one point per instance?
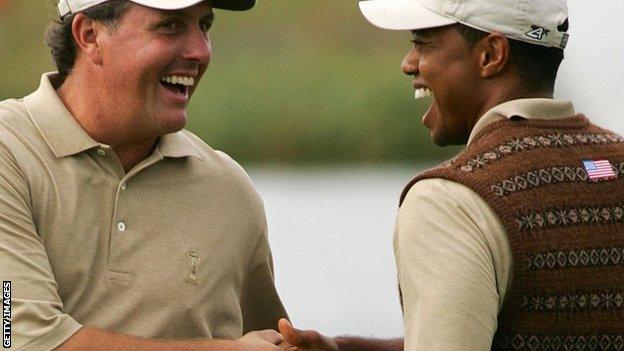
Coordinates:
(494, 54)
(85, 32)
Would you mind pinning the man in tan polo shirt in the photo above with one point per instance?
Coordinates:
(120, 230)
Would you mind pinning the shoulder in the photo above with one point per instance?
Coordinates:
(16, 127)
(12, 106)
(14, 113)
(216, 158)
(222, 164)
(444, 206)
(443, 195)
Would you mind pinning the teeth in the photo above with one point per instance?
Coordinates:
(422, 93)
(186, 81)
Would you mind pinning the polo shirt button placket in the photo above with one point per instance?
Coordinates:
(101, 152)
(121, 226)
(123, 186)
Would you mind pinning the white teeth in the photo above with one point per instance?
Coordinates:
(186, 81)
(422, 93)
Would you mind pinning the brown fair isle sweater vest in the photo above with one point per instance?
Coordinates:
(565, 230)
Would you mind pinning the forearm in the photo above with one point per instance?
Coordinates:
(352, 343)
(93, 339)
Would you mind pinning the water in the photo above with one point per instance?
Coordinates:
(592, 72)
(331, 234)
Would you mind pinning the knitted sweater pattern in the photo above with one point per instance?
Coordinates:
(565, 229)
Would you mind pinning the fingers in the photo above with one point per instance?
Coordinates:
(304, 338)
(271, 336)
(290, 334)
(268, 335)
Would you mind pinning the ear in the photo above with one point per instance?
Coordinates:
(493, 52)
(86, 32)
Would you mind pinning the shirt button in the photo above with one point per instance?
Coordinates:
(121, 226)
(101, 152)
(123, 186)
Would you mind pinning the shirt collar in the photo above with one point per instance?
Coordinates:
(66, 137)
(525, 108)
(177, 145)
(54, 121)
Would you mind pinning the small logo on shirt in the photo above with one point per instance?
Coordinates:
(599, 169)
(6, 314)
(192, 276)
(537, 32)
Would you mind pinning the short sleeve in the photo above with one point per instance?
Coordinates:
(260, 302)
(37, 318)
(453, 262)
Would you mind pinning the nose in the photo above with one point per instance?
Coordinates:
(198, 47)
(409, 65)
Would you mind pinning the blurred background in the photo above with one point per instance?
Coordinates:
(310, 99)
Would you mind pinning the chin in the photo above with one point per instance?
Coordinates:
(438, 139)
(447, 140)
(175, 124)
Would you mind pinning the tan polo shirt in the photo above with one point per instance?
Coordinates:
(452, 253)
(176, 248)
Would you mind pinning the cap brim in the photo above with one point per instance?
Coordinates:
(235, 5)
(402, 15)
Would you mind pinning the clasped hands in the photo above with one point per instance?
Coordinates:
(290, 339)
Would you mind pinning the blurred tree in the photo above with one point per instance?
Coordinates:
(289, 82)
(4, 5)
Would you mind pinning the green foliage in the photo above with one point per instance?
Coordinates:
(290, 82)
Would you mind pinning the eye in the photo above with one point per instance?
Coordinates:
(205, 26)
(170, 26)
(418, 44)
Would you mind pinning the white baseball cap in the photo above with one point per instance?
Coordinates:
(73, 6)
(541, 22)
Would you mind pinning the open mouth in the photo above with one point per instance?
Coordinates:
(177, 84)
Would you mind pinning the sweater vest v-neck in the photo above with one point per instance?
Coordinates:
(565, 227)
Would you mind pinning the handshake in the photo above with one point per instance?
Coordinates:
(289, 339)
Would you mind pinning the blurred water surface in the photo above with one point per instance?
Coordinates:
(331, 233)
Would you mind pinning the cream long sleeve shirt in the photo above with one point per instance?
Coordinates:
(452, 254)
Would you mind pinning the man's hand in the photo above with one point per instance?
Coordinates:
(304, 340)
(261, 340)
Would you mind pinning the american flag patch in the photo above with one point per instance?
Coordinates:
(600, 169)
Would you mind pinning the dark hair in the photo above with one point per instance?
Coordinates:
(59, 37)
(536, 65)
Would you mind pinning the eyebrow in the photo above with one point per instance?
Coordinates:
(183, 14)
(420, 35)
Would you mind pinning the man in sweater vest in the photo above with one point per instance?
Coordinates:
(518, 242)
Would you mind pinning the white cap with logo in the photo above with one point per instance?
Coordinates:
(540, 22)
(73, 6)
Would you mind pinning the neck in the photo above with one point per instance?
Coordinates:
(497, 96)
(96, 118)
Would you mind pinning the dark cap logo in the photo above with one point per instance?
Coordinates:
(537, 32)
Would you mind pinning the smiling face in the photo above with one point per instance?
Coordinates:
(150, 65)
(444, 65)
